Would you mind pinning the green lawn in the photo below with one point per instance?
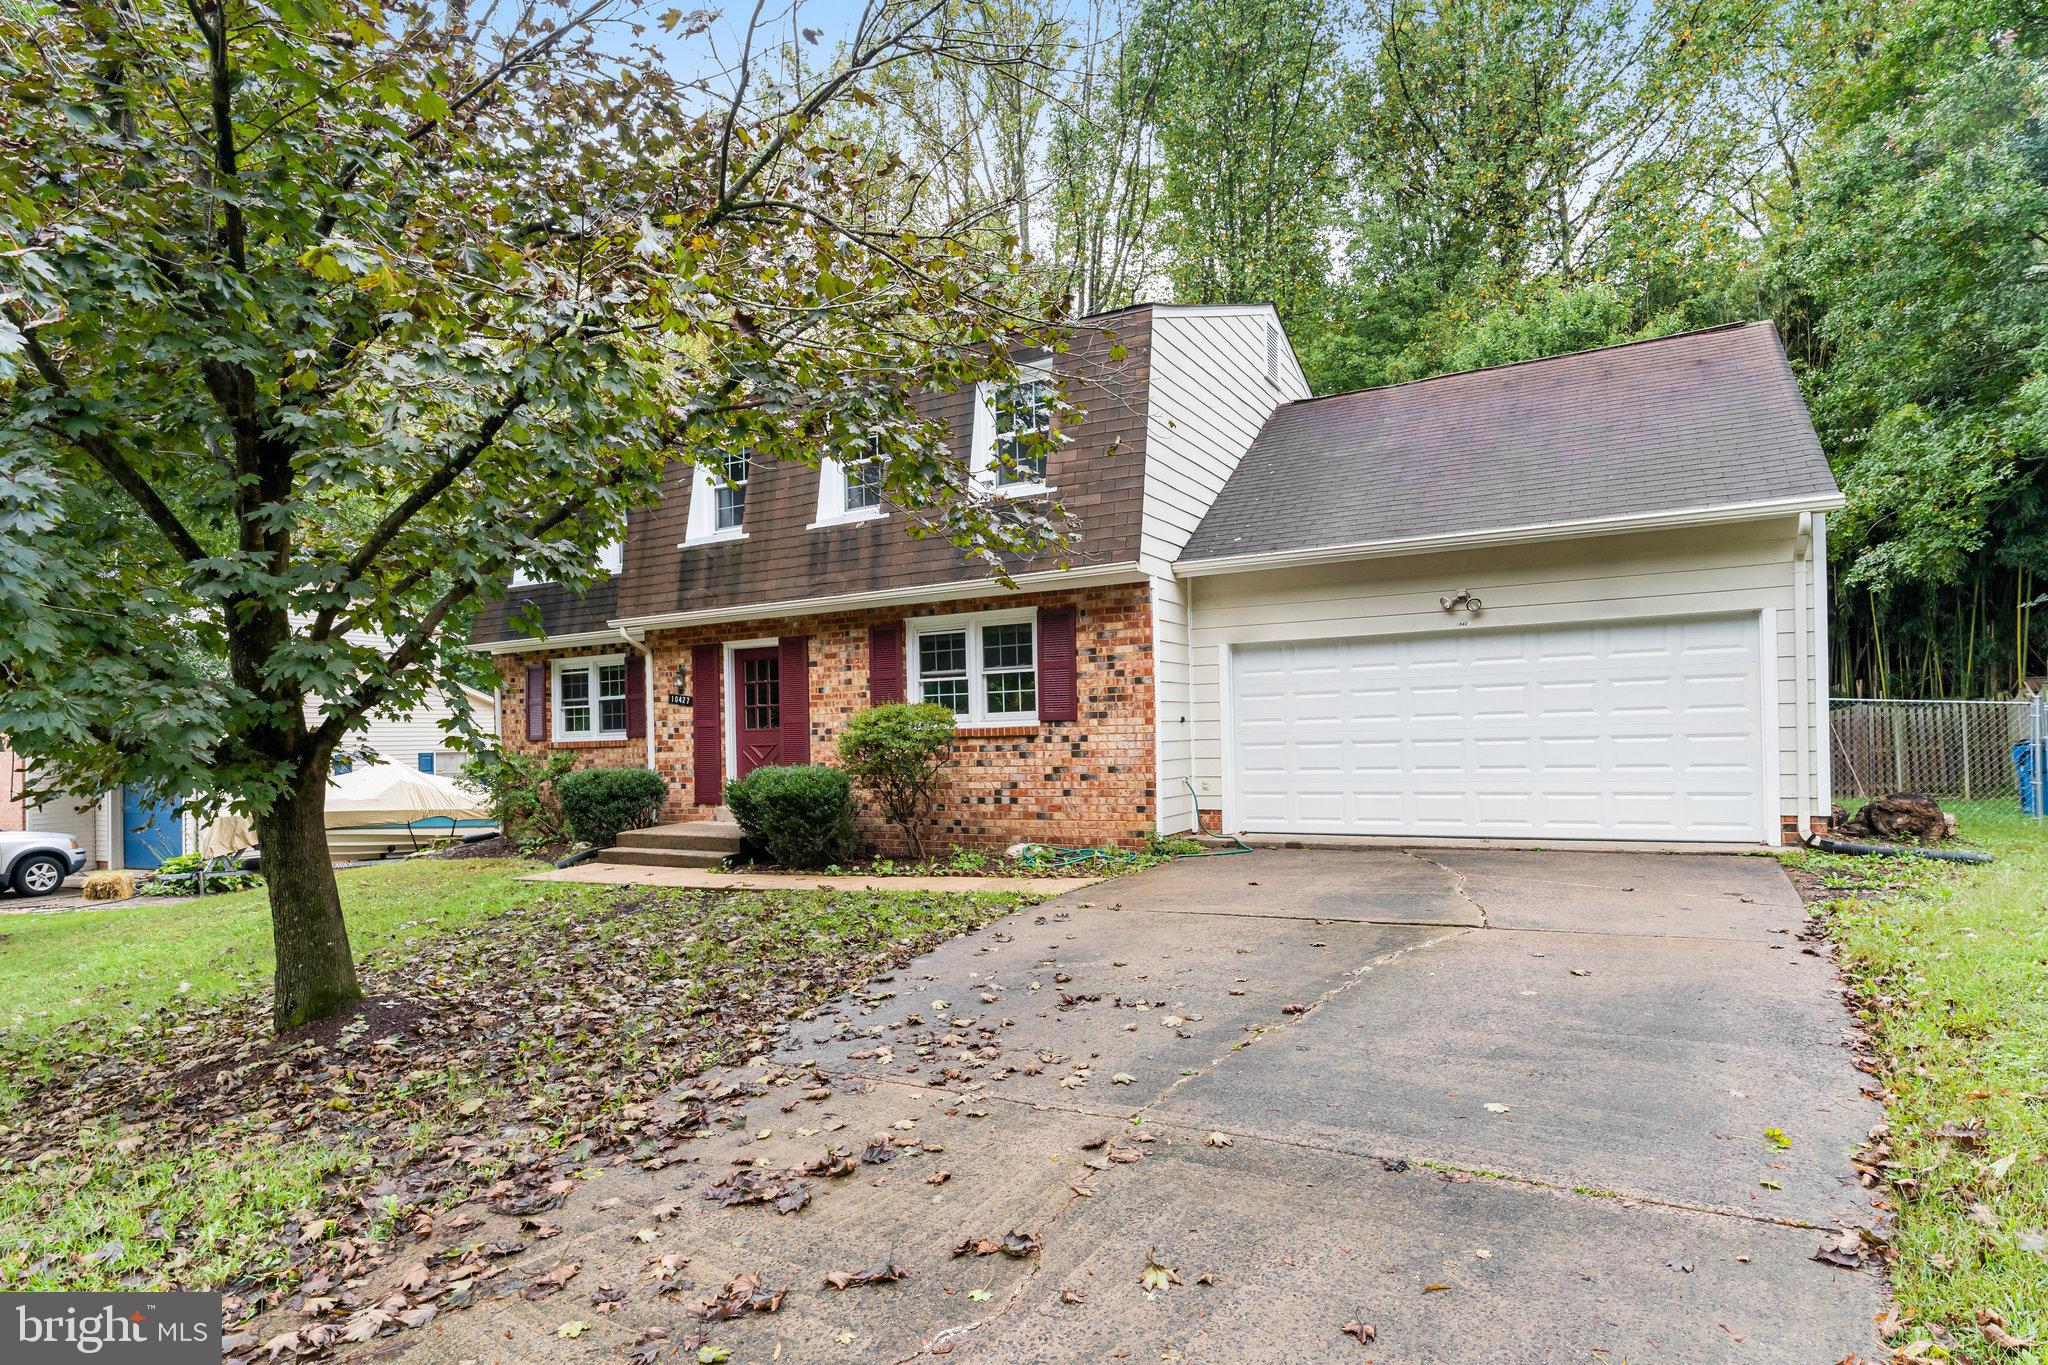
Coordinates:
(152, 1136)
(1952, 967)
(115, 964)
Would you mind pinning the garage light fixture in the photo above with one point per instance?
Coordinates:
(1464, 599)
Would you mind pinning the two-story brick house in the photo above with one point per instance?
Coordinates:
(1580, 597)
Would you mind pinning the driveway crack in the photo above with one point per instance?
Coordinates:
(1457, 884)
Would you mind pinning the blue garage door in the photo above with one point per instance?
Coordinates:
(151, 831)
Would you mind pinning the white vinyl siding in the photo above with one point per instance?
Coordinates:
(83, 820)
(1730, 570)
(1170, 697)
(1210, 395)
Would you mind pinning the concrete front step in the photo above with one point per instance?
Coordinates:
(663, 857)
(720, 836)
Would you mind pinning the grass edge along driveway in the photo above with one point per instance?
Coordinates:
(1948, 972)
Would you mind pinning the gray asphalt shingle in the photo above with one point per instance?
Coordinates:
(1699, 420)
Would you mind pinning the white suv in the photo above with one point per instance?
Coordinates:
(37, 864)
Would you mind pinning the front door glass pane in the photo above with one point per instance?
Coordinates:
(761, 693)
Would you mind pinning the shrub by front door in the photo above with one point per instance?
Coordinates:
(757, 708)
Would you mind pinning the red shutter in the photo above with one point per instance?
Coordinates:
(794, 676)
(636, 697)
(885, 663)
(1058, 696)
(536, 701)
(706, 741)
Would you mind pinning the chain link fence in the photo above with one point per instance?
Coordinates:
(1980, 755)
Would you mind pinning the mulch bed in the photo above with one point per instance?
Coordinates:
(489, 1065)
(498, 846)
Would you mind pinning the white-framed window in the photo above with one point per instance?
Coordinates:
(850, 489)
(590, 697)
(863, 479)
(1013, 432)
(983, 667)
(612, 559)
(718, 499)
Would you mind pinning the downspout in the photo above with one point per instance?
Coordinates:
(1824, 756)
(1803, 750)
(640, 644)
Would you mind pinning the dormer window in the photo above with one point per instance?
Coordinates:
(1023, 413)
(851, 489)
(863, 484)
(611, 558)
(1013, 432)
(731, 492)
(718, 498)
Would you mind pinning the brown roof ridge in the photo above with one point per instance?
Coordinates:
(1535, 360)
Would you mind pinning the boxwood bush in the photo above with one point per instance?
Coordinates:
(599, 802)
(800, 816)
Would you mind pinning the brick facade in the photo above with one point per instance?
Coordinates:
(1087, 781)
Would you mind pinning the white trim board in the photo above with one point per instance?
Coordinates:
(1049, 580)
(1512, 535)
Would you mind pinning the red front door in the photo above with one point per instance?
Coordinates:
(757, 708)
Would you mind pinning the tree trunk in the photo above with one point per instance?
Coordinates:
(316, 973)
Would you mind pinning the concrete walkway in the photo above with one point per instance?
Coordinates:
(1494, 1106)
(711, 879)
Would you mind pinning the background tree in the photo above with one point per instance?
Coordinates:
(1246, 107)
(1504, 153)
(1919, 263)
(1101, 172)
(320, 319)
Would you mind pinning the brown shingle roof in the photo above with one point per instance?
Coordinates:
(1699, 420)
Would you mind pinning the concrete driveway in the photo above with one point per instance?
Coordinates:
(1492, 1105)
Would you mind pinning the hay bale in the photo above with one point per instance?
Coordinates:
(109, 886)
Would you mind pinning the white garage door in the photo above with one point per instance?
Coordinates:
(1632, 731)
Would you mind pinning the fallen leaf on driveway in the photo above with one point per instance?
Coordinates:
(1846, 1250)
(552, 1281)
(1216, 1140)
(1364, 1331)
(1155, 1275)
(1016, 1242)
(743, 1294)
(571, 1330)
(1496, 1109)
(886, 1273)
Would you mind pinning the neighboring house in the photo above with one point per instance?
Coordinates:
(1575, 598)
(125, 828)
(12, 808)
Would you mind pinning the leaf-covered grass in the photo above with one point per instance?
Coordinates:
(115, 964)
(208, 1216)
(153, 1136)
(1951, 967)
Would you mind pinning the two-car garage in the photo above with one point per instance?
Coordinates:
(1576, 598)
(1634, 730)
